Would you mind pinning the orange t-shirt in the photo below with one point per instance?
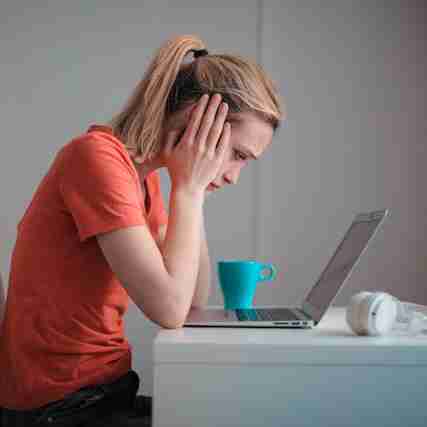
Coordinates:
(63, 327)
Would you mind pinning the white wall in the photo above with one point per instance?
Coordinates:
(352, 74)
(354, 80)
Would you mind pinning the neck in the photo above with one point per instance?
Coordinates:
(144, 169)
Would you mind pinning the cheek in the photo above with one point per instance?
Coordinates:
(225, 167)
(228, 158)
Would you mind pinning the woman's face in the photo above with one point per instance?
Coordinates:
(250, 137)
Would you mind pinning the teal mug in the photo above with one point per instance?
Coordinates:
(238, 280)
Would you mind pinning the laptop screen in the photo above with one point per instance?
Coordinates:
(340, 265)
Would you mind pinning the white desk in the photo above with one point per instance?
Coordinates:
(326, 376)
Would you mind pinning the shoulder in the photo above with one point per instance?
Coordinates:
(97, 149)
(92, 142)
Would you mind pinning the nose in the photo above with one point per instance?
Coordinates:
(232, 176)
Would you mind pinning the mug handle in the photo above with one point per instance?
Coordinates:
(271, 276)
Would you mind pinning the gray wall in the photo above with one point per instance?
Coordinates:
(352, 74)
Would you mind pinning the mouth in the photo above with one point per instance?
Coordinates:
(213, 186)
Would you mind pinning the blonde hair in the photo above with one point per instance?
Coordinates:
(170, 83)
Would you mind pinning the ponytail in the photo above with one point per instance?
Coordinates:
(139, 124)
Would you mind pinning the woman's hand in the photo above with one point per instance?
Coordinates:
(195, 161)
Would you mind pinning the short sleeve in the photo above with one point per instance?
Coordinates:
(100, 187)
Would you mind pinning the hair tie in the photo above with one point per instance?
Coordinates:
(199, 52)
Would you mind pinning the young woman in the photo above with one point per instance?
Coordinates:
(97, 232)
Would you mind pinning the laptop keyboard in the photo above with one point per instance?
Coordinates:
(266, 314)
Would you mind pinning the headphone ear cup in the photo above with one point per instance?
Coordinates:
(353, 316)
(367, 313)
(382, 314)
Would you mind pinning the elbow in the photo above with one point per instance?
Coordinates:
(164, 314)
(173, 322)
(175, 318)
(169, 310)
(166, 318)
(179, 307)
(179, 319)
(172, 325)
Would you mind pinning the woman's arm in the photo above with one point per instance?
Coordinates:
(201, 294)
(203, 283)
(162, 283)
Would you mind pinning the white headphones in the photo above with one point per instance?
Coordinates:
(377, 313)
(372, 313)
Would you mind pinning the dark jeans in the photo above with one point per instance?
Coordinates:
(113, 404)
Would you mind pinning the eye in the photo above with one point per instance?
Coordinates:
(239, 155)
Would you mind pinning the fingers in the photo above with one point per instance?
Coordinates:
(221, 147)
(217, 128)
(170, 141)
(206, 126)
(195, 119)
(208, 119)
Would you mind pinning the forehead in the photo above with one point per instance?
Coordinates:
(250, 130)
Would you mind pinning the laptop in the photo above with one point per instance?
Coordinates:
(318, 298)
